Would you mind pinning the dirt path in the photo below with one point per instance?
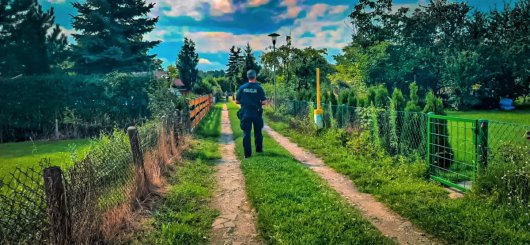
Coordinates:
(236, 224)
(386, 221)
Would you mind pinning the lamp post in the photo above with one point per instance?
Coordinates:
(274, 36)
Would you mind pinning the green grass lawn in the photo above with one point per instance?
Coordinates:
(402, 186)
(516, 116)
(295, 206)
(27, 154)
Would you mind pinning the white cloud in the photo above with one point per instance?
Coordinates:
(195, 9)
(256, 3)
(293, 9)
(57, 1)
(204, 61)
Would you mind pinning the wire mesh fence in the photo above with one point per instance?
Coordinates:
(92, 200)
(459, 151)
(397, 132)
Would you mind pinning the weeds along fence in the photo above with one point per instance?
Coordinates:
(494, 156)
(93, 200)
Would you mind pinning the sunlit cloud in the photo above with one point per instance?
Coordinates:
(257, 3)
(204, 61)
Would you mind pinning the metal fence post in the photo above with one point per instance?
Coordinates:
(482, 142)
(429, 157)
(61, 230)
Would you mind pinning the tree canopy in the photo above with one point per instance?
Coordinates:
(110, 36)
(187, 62)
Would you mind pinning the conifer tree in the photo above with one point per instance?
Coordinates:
(187, 63)
(234, 66)
(111, 34)
(249, 62)
(25, 26)
(57, 48)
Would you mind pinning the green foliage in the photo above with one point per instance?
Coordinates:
(467, 56)
(94, 103)
(412, 104)
(506, 179)
(433, 104)
(234, 68)
(162, 100)
(381, 97)
(370, 97)
(30, 42)
(343, 97)
(187, 62)
(297, 66)
(248, 63)
(398, 100)
(172, 72)
(109, 36)
(352, 99)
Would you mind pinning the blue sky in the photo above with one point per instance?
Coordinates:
(216, 25)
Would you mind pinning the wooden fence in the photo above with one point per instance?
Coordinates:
(198, 108)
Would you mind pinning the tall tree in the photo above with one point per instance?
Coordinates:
(110, 36)
(187, 63)
(26, 26)
(57, 48)
(249, 62)
(233, 67)
(5, 35)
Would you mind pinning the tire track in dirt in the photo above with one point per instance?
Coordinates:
(236, 224)
(389, 223)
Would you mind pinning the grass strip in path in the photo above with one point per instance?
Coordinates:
(401, 185)
(185, 215)
(294, 205)
(389, 223)
(236, 224)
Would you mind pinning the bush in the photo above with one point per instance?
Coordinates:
(381, 97)
(94, 103)
(506, 180)
(352, 99)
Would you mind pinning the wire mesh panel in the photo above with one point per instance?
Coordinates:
(452, 150)
(23, 216)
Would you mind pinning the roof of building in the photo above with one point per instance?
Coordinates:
(178, 83)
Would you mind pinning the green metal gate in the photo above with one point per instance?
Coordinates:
(456, 149)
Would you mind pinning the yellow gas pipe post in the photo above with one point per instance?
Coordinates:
(319, 122)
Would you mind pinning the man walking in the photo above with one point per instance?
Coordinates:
(251, 98)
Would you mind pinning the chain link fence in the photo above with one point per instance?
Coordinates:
(93, 200)
(493, 155)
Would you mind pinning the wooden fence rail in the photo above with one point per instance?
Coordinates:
(198, 108)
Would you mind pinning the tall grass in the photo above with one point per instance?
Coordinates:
(185, 215)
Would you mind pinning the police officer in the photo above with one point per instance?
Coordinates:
(251, 98)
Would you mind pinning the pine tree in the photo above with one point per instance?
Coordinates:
(25, 47)
(57, 48)
(187, 64)
(111, 36)
(248, 63)
(234, 64)
(5, 34)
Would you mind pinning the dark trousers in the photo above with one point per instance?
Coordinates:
(246, 125)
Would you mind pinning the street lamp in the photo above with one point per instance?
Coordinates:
(274, 36)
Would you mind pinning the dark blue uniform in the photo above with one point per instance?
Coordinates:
(250, 96)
